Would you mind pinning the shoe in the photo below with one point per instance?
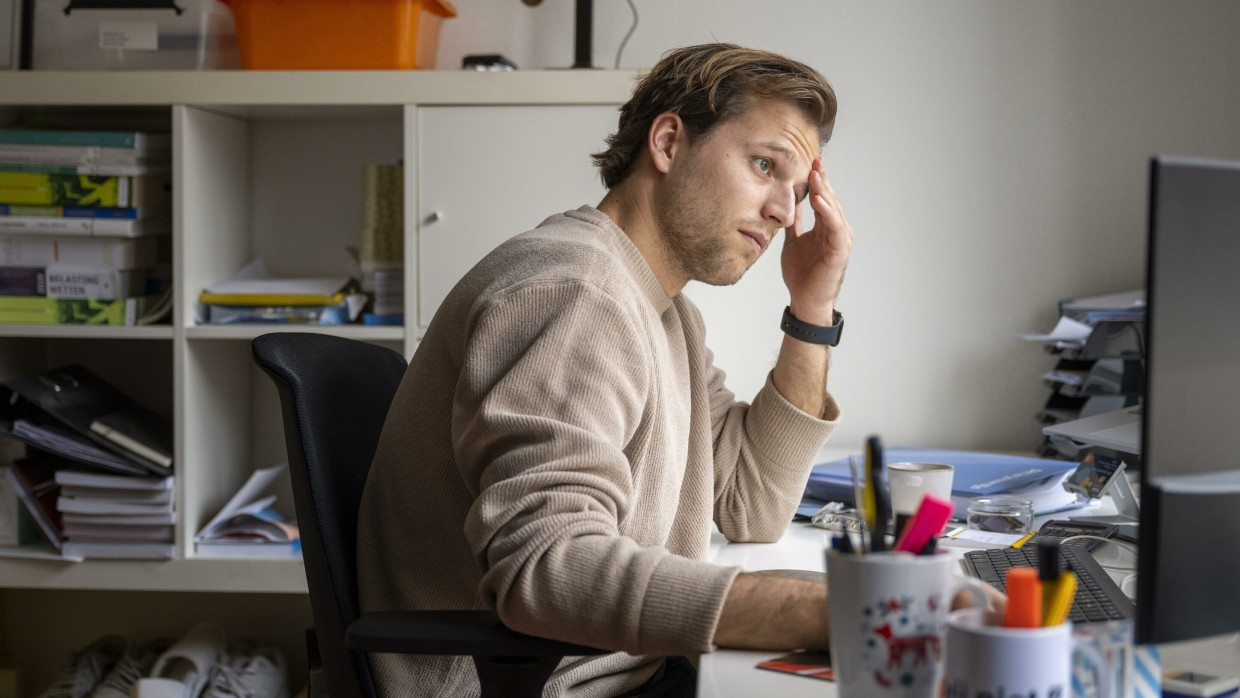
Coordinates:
(182, 671)
(135, 664)
(250, 672)
(86, 668)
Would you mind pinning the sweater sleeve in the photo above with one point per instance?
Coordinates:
(539, 426)
(763, 454)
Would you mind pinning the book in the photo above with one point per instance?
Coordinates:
(118, 532)
(117, 550)
(14, 529)
(84, 159)
(163, 518)
(248, 525)
(253, 285)
(37, 310)
(143, 433)
(115, 227)
(60, 442)
(101, 283)
(94, 505)
(77, 398)
(50, 189)
(134, 140)
(36, 487)
(38, 250)
(68, 477)
(126, 213)
(808, 663)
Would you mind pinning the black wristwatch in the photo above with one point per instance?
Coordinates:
(814, 334)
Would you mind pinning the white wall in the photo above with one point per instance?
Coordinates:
(990, 156)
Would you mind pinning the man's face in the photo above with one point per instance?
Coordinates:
(728, 193)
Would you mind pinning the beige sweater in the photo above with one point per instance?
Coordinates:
(558, 450)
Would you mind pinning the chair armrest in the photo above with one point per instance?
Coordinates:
(451, 633)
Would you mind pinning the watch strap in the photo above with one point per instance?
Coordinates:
(814, 334)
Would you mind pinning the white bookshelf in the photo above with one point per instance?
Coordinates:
(269, 164)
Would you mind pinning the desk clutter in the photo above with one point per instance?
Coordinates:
(88, 471)
(200, 664)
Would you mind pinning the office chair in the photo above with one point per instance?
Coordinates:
(334, 396)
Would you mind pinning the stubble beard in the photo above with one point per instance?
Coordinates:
(693, 238)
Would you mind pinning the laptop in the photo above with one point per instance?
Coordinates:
(1119, 430)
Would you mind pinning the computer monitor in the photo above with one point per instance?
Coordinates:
(1189, 540)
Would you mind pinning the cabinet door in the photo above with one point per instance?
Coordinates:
(487, 173)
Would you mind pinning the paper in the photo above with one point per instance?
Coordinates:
(249, 516)
(1068, 333)
(255, 280)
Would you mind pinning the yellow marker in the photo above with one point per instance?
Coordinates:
(1022, 541)
(1059, 602)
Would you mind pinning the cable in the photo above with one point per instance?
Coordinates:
(632, 28)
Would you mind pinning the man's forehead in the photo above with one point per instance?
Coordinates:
(783, 127)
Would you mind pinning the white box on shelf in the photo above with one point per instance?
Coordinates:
(201, 36)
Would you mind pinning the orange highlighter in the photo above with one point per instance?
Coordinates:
(1024, 592)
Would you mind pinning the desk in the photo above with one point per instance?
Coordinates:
(727, 673)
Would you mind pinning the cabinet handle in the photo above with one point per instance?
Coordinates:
(434, 216)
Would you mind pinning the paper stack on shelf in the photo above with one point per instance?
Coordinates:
(249, 526)
(116, 516)
(85, 223)
(254, 295)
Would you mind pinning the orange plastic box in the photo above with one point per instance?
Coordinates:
(339, 34)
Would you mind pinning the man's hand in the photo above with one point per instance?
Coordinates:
(813, 261)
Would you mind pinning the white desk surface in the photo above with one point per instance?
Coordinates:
(726, 673)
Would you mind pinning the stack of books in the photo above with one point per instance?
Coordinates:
(255, 295)
(85, 218)
(97, 479)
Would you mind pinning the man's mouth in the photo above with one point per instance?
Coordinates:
(757, 240)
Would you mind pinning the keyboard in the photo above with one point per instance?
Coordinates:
(1098, 597)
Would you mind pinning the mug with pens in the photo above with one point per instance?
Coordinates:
(1028, 650)
(889, 603)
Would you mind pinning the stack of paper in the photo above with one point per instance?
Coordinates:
(116, 516)
(254, 295)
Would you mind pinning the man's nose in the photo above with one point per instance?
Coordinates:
(781, 207)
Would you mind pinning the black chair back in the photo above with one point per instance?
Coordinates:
(334, 396)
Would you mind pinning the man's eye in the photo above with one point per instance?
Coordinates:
(764, 164)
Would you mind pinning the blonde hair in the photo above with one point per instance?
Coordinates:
(707, 84)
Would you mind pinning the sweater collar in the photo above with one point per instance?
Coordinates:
(632, 257)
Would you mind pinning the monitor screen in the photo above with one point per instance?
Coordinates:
(1189, 550)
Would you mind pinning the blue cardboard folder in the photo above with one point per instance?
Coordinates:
(976, 473)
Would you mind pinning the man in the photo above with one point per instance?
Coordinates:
(561, 442)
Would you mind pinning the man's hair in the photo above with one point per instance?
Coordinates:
(709, 84)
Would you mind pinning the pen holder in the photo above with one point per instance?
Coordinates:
(888, 616)
(986, 659)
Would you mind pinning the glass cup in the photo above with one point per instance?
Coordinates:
(1001, 513)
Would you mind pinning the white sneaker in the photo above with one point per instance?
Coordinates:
(135, 664)
(183, 670)
(86, 668)
(250, 672)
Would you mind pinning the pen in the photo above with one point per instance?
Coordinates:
(932, 515)
(862, 496)
(1024, 592)
(878, 486)
(1048, 570)
(1061, 599)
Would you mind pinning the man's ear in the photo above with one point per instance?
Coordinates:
(667, 134)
